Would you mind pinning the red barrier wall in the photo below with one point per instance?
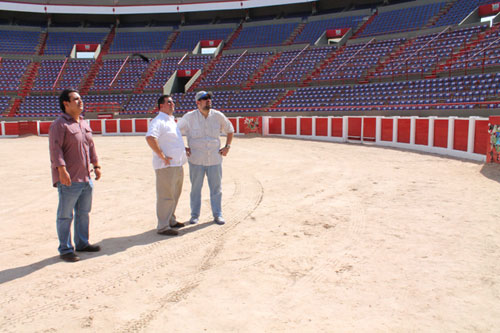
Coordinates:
(95, 125)
(111, 125)
(44, 127)
(481, 137)
(441, 133)
(12, 128)
(461, 134)
(404, 130)
(422, 132)
(322, 126)
(354, 128)
(126, 126)
(28, 127)
(337, 127)
(369, 129)
(306, 126)
(274, 126)
(141, 125)
(386, 134)
(291, 126)
(242, 123)
(233, 122)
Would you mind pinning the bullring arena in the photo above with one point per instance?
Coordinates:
(321, 237)
(358, 191)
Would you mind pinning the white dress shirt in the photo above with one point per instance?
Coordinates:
(164, 128)
(203, 135)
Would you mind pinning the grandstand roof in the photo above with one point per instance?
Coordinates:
(125, 6)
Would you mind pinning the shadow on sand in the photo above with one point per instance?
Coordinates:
(109, 246)
(491, 171)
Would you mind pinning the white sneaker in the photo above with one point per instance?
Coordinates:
(194, 220)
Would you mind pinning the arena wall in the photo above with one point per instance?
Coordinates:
(457, 137)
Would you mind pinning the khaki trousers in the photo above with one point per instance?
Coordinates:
(168, 190)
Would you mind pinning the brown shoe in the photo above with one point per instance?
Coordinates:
(178, 225)
(169, 232)
(69, 257)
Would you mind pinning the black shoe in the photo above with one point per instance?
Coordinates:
(169, 232)
(69, 257)
(90, 248)
(179, 225)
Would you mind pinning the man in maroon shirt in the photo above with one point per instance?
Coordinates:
(72, 151)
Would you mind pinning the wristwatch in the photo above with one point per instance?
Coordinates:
(227, 146)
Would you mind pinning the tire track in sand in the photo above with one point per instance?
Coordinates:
(144, 260)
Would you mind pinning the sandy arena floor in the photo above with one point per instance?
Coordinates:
(321, 237)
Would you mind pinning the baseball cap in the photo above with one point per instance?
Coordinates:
(201, 94)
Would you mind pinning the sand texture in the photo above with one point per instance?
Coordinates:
(320, 237)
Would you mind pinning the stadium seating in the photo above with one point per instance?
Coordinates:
(291, 66)
(40, 106)
(353, 62)
(74, 73)
(402, 95)
(139, 41)
(399, 20)
(126, 79)
(263, 35)
(11, 71)
(421, 54)
(187, 39)
(4, 103)
(18, 41)
(62, 42)
(460, 10)
(314, 29)
(47, 74)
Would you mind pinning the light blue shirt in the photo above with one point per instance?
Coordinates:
(203, 135)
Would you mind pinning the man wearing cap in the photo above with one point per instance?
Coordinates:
(203, 128)
(169, 156)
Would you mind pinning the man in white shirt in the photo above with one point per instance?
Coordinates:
(203, 128)
(169, 155)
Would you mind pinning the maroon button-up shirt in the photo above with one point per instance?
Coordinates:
(71, 144)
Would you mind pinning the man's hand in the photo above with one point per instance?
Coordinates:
(166, 159)
(64, 176)
(188, 151)
(224, 151)
(97, 171)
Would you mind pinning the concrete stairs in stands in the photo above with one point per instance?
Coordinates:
(206, 69)
(363, 27)
(382, 63)
(88, 81)
(315, 72)
(232, 37)
(147, 75)
(171, 39)
(432, 21)
(260, 71)
(295, 33)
